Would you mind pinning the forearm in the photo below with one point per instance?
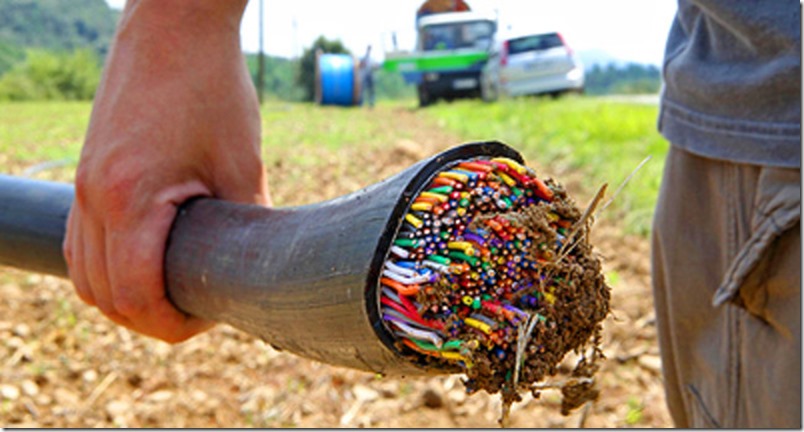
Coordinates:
(177, 38)
(179, 60)
(186, 19)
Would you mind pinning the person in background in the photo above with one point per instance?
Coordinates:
(367, 75)
(726, 247)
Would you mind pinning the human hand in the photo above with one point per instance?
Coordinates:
(175, 116)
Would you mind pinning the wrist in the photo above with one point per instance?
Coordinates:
(182, 24)
(164, 41)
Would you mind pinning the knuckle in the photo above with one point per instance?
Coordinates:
(108, 186)
(82, 184)
(117, 190)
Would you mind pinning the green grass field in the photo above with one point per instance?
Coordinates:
(601, 140)
(36, 132)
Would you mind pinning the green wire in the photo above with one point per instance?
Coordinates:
(429, 346)
(406, 242)
(439, 259)
(444, 190)
(462, 256)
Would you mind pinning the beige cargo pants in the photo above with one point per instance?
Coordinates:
(726, 263)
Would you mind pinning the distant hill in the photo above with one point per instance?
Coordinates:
(57, 25)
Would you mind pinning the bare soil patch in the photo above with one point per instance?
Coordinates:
(65, 365)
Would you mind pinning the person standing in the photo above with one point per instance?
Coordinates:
(726, 246)
(367, 74)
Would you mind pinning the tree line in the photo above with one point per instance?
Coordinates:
(294, 80)
(630, 78)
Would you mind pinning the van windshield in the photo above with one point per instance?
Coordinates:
(472, 34)
(534, 43)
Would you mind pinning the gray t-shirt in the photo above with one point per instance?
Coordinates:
(732, 81)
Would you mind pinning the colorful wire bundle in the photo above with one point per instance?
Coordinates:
(460, 276)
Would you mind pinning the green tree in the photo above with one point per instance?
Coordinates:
(47, 75)
(305, 76)
(9, 56)
(279, 77)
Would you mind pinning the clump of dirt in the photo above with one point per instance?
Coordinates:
(572, 323)
(521, 289)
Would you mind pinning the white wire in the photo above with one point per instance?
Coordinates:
(441, 268)
(405, 280)
(400, 252)
(390, 294)
(419, 334)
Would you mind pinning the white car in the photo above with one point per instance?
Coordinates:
(529, 65)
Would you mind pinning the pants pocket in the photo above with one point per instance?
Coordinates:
(777, 210)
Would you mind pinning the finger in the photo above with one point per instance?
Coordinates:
(96, 267)
(136, 249)
(74, 257)
(136, 252)
(173, 325)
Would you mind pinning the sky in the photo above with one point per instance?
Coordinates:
(628, 30)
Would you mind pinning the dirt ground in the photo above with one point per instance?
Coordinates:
(65, 365)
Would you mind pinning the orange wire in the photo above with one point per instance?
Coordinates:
(431, 200)
(400, 288)
(472, 166)
(416, 348)
(443, 181)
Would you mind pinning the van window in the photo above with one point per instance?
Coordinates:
(534, 43)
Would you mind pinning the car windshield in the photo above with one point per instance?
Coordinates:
(534, 43)
(474, 34)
